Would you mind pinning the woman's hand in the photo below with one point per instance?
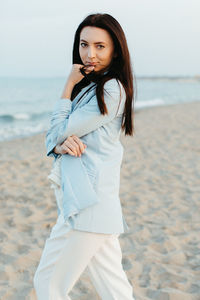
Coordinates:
(72, 145)
(75, 76)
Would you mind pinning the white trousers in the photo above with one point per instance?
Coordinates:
(66, 254)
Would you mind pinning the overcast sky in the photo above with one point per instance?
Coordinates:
(36, 36)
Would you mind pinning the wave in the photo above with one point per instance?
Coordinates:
(22, 116)
(12, 132)
(149, 103)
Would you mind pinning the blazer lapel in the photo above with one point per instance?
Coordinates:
(82, 95)
(90, 87)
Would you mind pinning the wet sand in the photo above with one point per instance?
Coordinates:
(160, 196)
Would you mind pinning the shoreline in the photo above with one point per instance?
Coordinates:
(159, 192)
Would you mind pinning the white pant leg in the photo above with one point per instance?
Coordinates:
(107, 274)
(66, 254)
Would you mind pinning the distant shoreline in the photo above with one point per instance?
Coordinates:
(148, 77)
(196, 78)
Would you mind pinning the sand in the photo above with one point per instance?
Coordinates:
(160, 196)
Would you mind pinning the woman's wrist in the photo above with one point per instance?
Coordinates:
(67, 90)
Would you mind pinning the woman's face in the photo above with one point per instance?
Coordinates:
(96, 47)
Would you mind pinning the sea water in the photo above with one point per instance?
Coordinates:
(26, 103)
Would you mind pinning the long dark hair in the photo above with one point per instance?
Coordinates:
(120, 67)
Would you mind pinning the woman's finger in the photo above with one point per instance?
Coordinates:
(66, 149)
(85, 70)
(72, 145)
(79, 142)
(73, 142)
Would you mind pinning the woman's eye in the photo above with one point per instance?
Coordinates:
(83, 44)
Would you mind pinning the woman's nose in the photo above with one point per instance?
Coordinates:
(91, 52)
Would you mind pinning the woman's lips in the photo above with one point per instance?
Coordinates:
(91, 64)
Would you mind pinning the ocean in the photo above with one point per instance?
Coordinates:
(26, 103)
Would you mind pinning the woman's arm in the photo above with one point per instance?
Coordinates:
(66, 94)
(58, 116)
(74, 77)
(84, 119)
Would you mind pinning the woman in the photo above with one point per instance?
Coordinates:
(83, 138)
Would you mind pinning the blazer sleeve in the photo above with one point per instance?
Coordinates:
(84, 119)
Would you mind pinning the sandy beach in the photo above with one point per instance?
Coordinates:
(160, 196)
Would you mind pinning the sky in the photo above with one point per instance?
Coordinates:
(37, 35)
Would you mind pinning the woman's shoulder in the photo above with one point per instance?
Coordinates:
(113, 83)
(115, 88)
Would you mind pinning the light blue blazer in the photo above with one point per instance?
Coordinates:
(91, 183)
